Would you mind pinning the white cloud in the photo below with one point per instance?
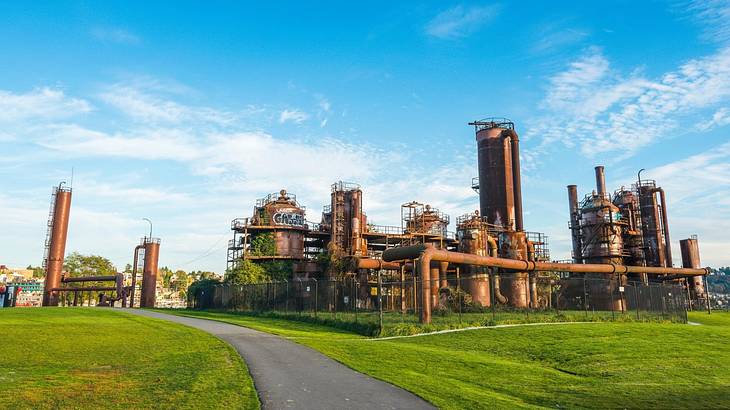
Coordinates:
(460, 21)
(41, 104)
(713, 16)
(115, 35)
(602, 111)
(296, 116)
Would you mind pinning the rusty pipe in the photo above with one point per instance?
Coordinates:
(426, 253)
(498, 293)
(516, 177)
(417, 251)
(134, 274)
(443, 267)
(366, 263)
(600, 181)
(574, 228)
(492, 244)
(424, 268)
(665, 227)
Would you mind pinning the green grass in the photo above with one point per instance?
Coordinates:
(397, 324)
(99, 358)
(597, 365)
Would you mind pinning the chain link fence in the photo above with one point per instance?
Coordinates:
(393, 306)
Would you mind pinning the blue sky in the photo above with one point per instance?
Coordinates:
(185, 113)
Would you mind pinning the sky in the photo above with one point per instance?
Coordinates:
(187, 112)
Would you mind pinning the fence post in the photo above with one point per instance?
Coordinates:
(636, 297)
(585, 296)
(357, 295)
(380, 300)
(458, 290)
(300, 298)
(286, 301)
(492, 292)
(316, 299)
(707, 294)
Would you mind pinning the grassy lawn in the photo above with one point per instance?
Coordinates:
(597, 365)
(98, 358)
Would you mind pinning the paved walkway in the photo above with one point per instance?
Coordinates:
(290, 375)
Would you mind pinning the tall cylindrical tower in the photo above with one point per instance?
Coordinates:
(691, 259)
(500, 197)
(149, 272)
(56, 242)
(574, 223)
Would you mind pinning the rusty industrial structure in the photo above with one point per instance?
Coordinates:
(616, 238)
(55, 246)
(57, 282)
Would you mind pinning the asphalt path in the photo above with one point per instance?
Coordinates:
(288, 375)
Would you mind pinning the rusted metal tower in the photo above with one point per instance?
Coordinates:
(500, 198)
(55, 246)
(149, 272)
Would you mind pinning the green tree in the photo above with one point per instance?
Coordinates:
(38, 272)
(128, 268)
(263, 245)
(246, 272)
(278, 270)
(78, 265)
(165, 275)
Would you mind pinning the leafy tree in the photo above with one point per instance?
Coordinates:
(78, 265)
(165, 275)
(277, 270)
(38, 272)
(200, 275)
(263, 245)
(181, 281)
(128, 268)
(246, 272)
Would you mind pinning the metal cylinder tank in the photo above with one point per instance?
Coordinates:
(691, 259)
(574, 223)
(348, 221)
(56, 243)
(148, 294)
(654, 245)
(496, 182)
(473, 237)
(284, 219)
(514, 286)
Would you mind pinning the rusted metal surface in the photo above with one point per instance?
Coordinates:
(665, 227)
(134, 274)
(651, 225)
(57, 245)
(149, 272)
(425, 254)
(574, 223)
(472, 233)
(496, 182)
(600, 181)
(691, 259)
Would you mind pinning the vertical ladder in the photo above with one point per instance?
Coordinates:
(49, 227)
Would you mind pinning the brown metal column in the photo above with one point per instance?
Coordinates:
(574, 227)
(665, 227)
(600, 180)
(516, 179)
(149, 273)
(691, 259)
(57, 245)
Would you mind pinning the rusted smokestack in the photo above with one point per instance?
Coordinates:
(574, 227)
(665, 227)
(600, 181)
(149, 273)
(56, 243)
(691, 259)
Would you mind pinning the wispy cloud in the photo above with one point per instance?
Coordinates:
(295, 115)
(115, 35)
(39, 104)
(460, 21)
(602, 110)
(713, 17)
(551, 37)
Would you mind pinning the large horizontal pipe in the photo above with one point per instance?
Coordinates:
(90, 279)
(89, 289)
(377, 264)
(417, 251)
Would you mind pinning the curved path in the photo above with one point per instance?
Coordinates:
(289, 375)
